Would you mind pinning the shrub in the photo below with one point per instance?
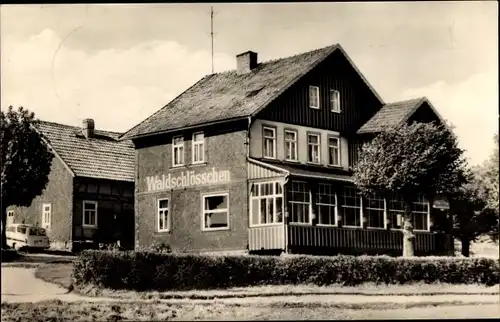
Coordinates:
(150, 270)
(9, 255)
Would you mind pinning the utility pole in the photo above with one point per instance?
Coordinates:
(212, 34)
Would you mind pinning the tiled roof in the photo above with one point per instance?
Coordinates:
(391, 114)
(101, 156)
(229, 95)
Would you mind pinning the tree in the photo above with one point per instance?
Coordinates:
(472, 214)
(488, 172)
(25, 160)
(411, 160)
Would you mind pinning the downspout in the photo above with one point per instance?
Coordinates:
(248, 181)
(285, 215)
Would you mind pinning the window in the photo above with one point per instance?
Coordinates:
(421, 214)
(374, 211)
(269, 142)
(267, 203)
(291, 145)
(335, 100)
(22, 229)
(10, 217)
(395, 211)
(299, 202)
(216, 212)
(351, 207)
(313, 143)
(314, 97)
(90, 213)
(178, 151)
(35, 231)
(326, 201)
(198, 147)
(334, 151)
(46, 215)
(163, 215)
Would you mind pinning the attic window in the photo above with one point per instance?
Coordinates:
(314, 97)
(254, 92)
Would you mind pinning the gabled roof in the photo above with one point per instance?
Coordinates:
(229, 96)
(102, 156)
(395, 114)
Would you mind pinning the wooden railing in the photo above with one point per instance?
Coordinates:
(266, 238)
(359, 239)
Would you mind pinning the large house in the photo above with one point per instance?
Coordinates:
(260, 159)
(89, 196)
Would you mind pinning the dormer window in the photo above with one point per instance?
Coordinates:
(314, 97)
(335, 100)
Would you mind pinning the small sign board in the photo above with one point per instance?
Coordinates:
(441, 203)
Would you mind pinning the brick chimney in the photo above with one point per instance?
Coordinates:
(88, 128)
(245, 62)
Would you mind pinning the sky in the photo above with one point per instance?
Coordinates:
(118, 64)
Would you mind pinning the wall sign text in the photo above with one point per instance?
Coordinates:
(187, 179)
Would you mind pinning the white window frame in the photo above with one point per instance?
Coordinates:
(309, 204)
(46, 223)
(198, 145)
(166, 221)
(274, 196)
(10, 217)
(83, 213)
(423, 201)
(360, 207)
(317, 145)
(289, 143)
(384, 212)
(177, 147)
(339, 159)
(311, 104)
(266, 139)
(335, 101)
(204, 211)
(333, 194)
(401, 213)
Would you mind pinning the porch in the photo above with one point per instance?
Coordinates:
(298, 238)
(304, 211)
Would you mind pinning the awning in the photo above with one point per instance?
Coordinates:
(259, 170)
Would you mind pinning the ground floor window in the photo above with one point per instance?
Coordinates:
(350, 207)
(46, 215)
(326, 203)
(421, 215)
(215, 210)
(299, 202)
(266, 203)
(163, 215)
(395, 212)
(374, 211)
(90, 213)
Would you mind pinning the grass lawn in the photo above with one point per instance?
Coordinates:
(155, 311)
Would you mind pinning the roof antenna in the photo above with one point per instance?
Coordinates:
(212, 34)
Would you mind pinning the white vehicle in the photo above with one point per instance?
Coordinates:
(26, 236)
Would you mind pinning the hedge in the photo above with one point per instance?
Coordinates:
(166, 271)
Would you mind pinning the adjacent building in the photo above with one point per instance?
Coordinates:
(260, 159)
(89, 196)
